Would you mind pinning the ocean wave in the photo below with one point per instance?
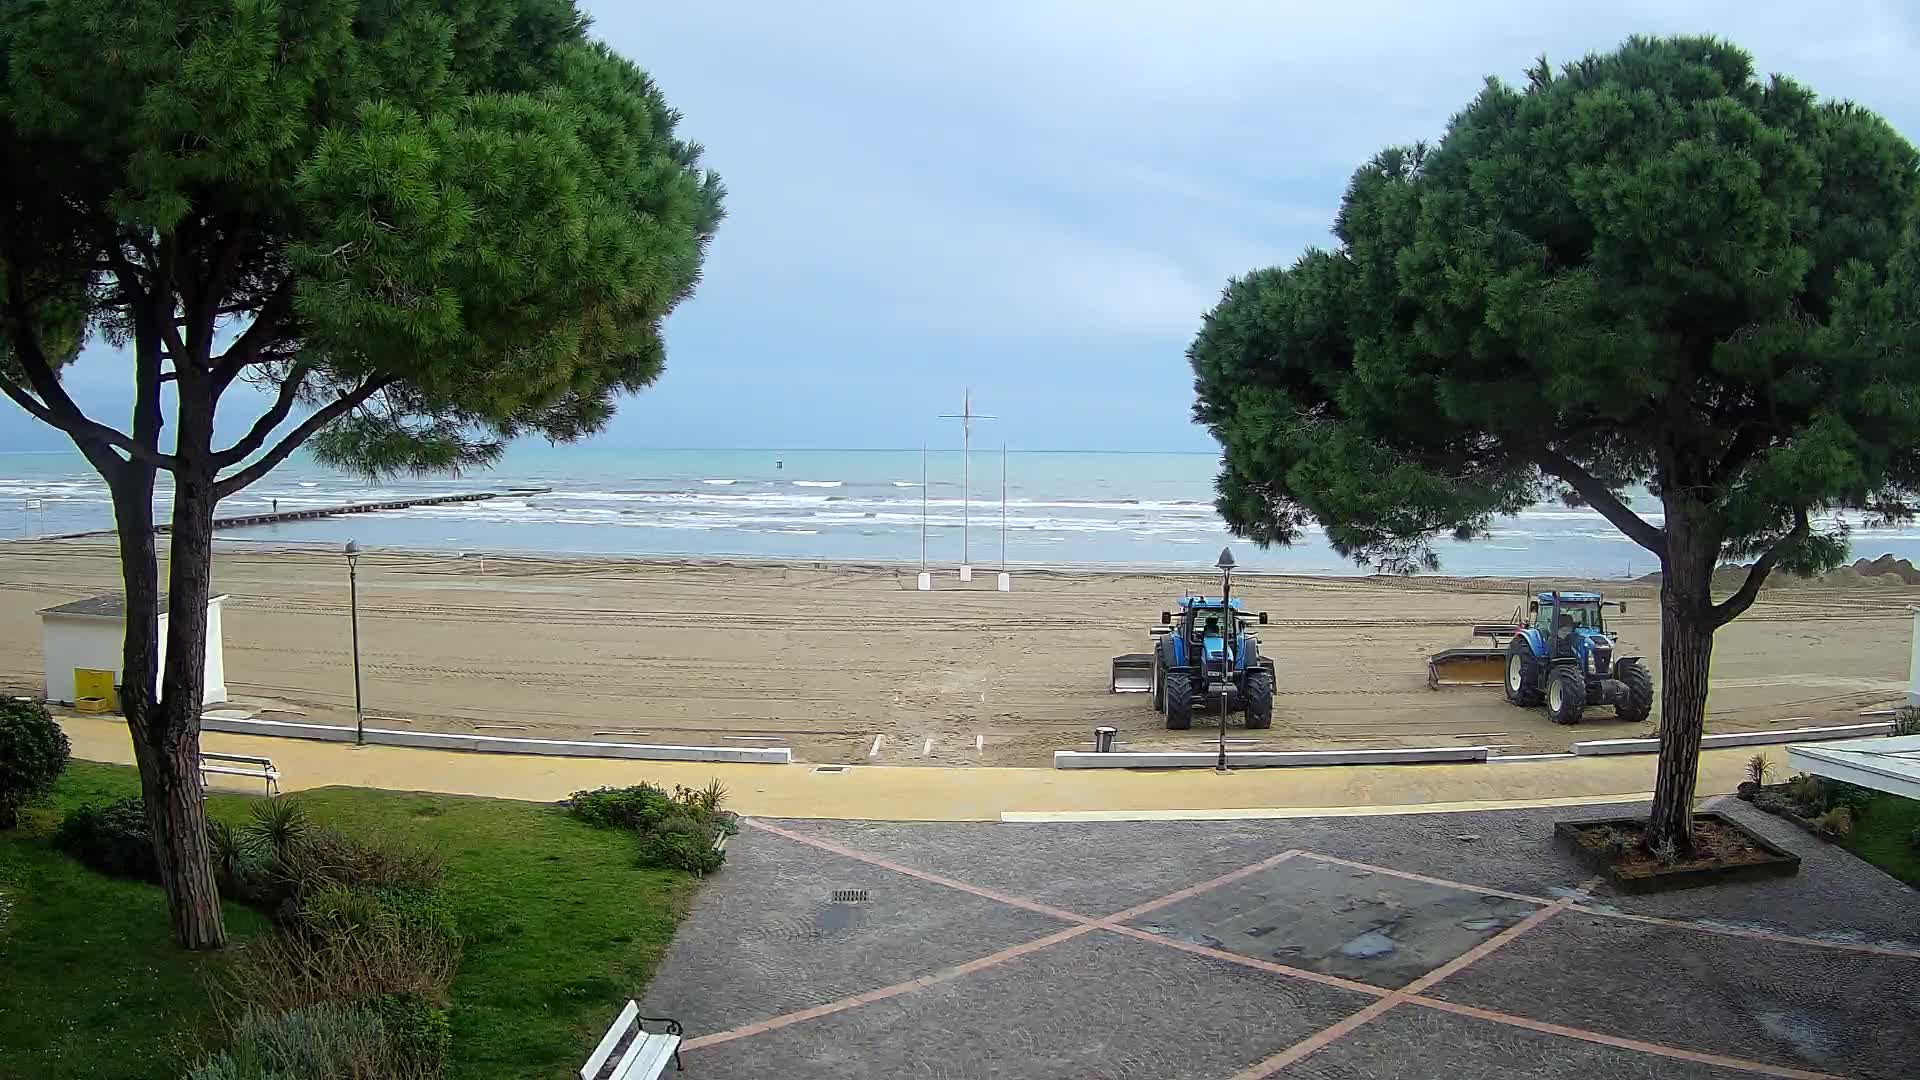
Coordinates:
(905, 483)
(720, 482)
(818, 483)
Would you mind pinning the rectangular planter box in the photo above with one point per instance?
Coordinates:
(1781, 862)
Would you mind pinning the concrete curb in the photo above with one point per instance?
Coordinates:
(1601, 747)
(1255, 759)
(498, 744)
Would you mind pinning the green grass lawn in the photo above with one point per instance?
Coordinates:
(560, 926)
(1883, 837)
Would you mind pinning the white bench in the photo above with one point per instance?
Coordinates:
(256, 768)
(643, 1055)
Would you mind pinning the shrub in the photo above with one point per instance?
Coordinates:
(323, 1042)
(1906, 721)
(641, 806)
(322, 858)
(1757, 768)
(347, 945)
(418, 1034)
(237, 865)
(33, 751)
(1914, 838)
(676, 831)
(1808, 794)
(682, 842)
(1835, 823)
(112, 839)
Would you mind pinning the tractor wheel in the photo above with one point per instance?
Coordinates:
(1159, 676)
(1258, 699)
(1178, 687)
(1639, 703)
(1522, 685)
(1566, 695)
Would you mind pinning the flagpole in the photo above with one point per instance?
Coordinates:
(1003, 506)
(923, 507)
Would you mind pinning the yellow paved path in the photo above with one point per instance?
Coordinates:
(943, 794)
(948, 794)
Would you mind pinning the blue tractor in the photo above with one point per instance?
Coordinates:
(1204, 657)
(1564, 657)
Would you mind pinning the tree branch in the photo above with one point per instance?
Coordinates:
(1601, 498)
(1733, 606)
(254, 341)
(321, 417)
(54, 407)
(256, 437)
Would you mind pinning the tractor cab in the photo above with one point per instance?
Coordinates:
(1571, 623)
(1204, 622)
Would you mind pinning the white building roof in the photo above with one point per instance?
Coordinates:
(1885, 764)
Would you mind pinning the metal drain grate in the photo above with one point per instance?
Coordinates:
(829, 768)
(850, 896)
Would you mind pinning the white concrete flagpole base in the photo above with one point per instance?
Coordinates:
(925, 582)
(1006, 583)
(966, 572)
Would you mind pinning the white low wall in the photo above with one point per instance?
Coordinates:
(1737, 738)
(497, 744)
(1254, 759)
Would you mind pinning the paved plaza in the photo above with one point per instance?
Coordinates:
(1462, 945)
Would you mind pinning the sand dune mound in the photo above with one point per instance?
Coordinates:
(1883, 572)
(1886, 565)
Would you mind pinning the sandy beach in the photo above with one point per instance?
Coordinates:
(838, 660)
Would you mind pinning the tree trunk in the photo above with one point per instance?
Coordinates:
(170, 760)
(1686, 655)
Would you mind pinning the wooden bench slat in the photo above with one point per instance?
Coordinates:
(611, 1039)
(647, 1058)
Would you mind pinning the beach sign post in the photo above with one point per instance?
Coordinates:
(925, 581)
(1005, 583)
(966, 416)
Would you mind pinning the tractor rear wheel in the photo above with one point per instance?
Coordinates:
(1639, 703)
(1522, 685)
(1258, 698)
(1178, 687)
(1566, 695)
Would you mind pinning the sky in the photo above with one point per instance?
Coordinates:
(1038, 200)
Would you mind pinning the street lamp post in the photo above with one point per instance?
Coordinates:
(1230, 636)
(352, 551)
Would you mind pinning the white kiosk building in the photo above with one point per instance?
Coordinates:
(81, 643)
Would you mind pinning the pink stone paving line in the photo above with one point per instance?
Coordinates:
(900, 868)
(1608, 913)
(1655, 1049)
(1753, 935)
(1423, 879)
(1252, 962)
(1327, 1036)
(885, 992)
(1084, 925)
(1389, 999)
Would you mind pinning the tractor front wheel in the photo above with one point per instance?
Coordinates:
(1522, 685)
(1639, 703)
(1178, 687)
(1566, 695)
(1258, 698)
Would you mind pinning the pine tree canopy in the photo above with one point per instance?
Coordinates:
(426, 224)
(1650, 268)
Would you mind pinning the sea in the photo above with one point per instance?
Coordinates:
(1059, 509)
